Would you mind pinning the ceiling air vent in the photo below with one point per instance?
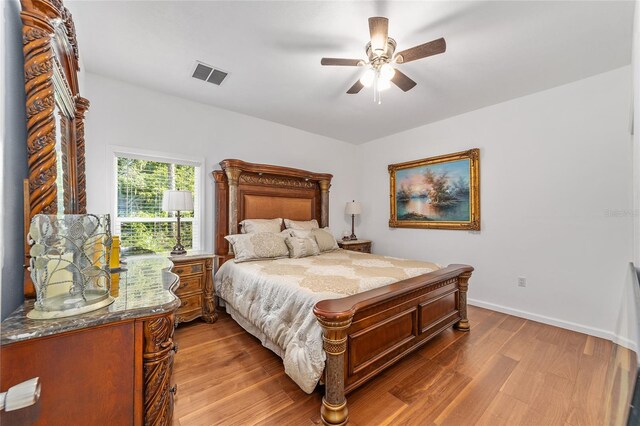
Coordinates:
(209, 74)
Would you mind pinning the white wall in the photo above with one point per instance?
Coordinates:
(13, 157)
(556, 201)
(130, 116)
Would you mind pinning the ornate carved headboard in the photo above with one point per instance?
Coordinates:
(262, 191)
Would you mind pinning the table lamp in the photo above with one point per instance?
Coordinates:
(353, 208)
(177, 201)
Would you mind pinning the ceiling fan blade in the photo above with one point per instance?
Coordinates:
(379, 30)
(402, 81)
(422, 51)
(341, 62)
(355, 88)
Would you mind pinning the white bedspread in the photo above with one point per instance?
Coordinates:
(274, 299)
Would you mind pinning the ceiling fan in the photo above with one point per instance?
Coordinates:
(380, 66)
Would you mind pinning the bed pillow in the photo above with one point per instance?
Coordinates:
(288, 233)
(253, 226)
(302, 247)
(258, 246)
(300, 233)
(301, 224)
(325, 239)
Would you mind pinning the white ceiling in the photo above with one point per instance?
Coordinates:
(495, 51)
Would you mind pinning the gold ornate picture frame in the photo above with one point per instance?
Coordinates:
(438, 192)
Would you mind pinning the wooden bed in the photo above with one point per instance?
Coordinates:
(365, 333)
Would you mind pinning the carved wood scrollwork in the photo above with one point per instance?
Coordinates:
(277, 181)
(82, 105)
(50, 51)
(157, 368)
(38, 73)
(209, 313)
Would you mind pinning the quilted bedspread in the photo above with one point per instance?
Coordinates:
(274, 299)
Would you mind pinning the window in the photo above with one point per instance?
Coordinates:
(139, 220)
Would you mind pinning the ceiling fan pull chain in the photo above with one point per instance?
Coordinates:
(375, 86)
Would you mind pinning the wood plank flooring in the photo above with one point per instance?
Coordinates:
(506, 371)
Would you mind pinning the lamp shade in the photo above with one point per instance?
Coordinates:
(353, 207)
(177, 201)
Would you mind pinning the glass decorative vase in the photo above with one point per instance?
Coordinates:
(70, 264)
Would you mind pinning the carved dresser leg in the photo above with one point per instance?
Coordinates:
(463, 285)
(209, 313)
(334, 404)
(157, 368)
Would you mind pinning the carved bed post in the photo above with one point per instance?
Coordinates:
(463, 286)
(221, 212)
(233, 174)
(324, 200)
(334, 404)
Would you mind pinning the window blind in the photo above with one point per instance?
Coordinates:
(142, 225)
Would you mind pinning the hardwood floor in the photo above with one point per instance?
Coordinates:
(506, 371)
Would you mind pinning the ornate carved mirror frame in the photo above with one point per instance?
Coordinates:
(55, 115)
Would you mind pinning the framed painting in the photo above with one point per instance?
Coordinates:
(439, 192)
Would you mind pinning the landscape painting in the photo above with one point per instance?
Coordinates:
(439, 192)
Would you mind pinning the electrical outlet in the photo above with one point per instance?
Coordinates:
(522, 282)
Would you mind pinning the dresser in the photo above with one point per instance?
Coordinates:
(110, 365)
(195, 291)
(363, 246)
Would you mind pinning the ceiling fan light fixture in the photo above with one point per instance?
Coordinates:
(387, 72)
(382, 59)
(368, 77)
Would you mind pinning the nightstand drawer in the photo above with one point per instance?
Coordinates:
(189, 303)
(363, 248)
(189, 284)
(184, 269)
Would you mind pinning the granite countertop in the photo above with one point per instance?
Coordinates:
(142, 288)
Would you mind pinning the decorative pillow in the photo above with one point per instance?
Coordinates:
(300, 233)
(253, 226)
(261, 245)
(288, 233)
(302, 247)
(325, 239)
(301, 224)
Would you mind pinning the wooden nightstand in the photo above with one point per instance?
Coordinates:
(363, 246)
(195, 291)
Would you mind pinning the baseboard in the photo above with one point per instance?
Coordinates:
(597, 332)
(623, 341)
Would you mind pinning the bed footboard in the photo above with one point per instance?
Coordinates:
(365, 333)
